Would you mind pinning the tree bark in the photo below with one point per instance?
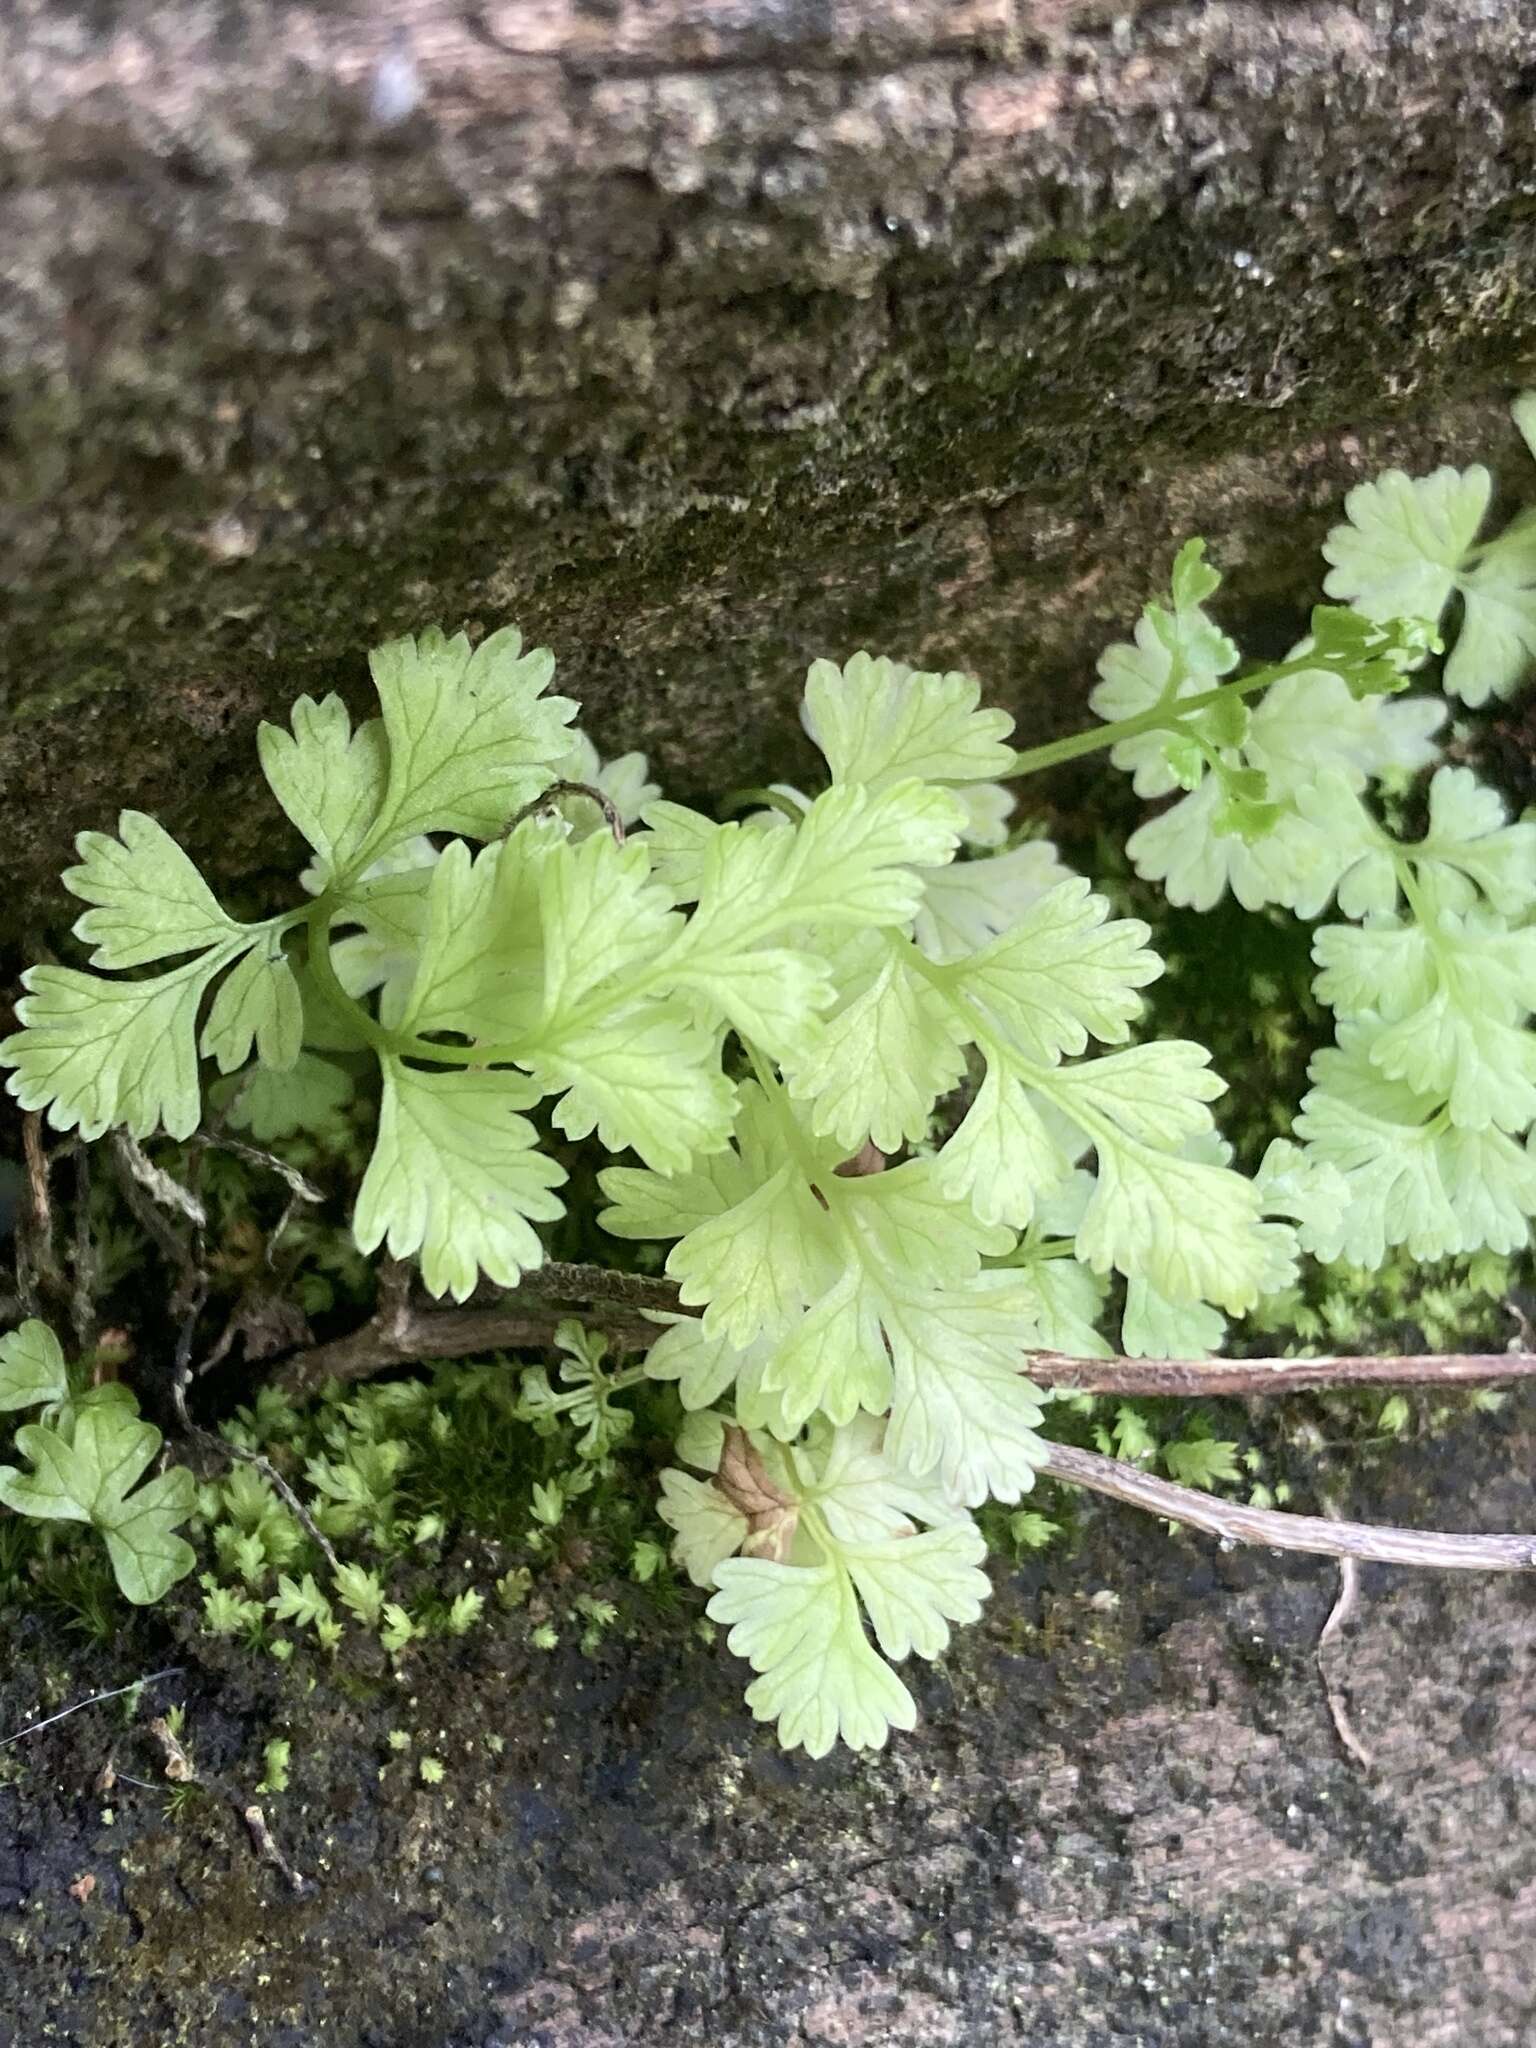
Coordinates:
(699, 337)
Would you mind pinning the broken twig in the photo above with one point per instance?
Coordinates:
(1270, 1529)
(1339, 1614)
(37, 1262)
(630, 1306)
(604, 802)
(161, 1187)
(82, 1303)
(179, 1767)
(623, 1305)
(300, 1190)
(267, 1849)
(400, 1335)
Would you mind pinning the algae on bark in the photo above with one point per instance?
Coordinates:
(698, 339)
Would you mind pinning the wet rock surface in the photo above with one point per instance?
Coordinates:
(1125, 1818)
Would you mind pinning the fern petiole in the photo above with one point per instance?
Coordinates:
(773, 1088)
(1165, 715)
(762, 800)
(399, 1044)
(1413, 894)
(317, 924)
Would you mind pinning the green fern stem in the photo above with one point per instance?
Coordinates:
(317, 942)
(762, 799)
(1169, 714)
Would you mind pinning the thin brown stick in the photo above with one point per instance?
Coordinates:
(37, 1262)
(1192, 1378)
(253, 1155)
(162, 1188)
(392, 1315)
(401, 1339)
(619, 1302)
(401, 1334)
(1234, 1523)
(299, 1189)
(565, 1280)
(37, 1185)
(237, 1454)
(174, 1241)
(1180, 1378)
(84, 1287)
(1341, 1613)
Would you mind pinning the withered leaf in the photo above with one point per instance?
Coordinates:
(772, 1515)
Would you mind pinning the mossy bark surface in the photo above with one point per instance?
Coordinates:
(700, 338)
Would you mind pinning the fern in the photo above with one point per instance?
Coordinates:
(764, 1015)
(88, 1454)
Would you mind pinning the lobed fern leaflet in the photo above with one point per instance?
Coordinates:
(766, 1014)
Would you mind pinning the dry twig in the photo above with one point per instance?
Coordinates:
(564, 1280)
(267, 1849)
(604, 802)
(37, 1262)
(628, 1306)
(1339, 1615)
(179, 1767)
(399, 1334)
(1196, 1378)
(1234, 1523)
(161, 1187)
(622, 1304)
(238, 1454)
(144, 1199)
(300, 1190)
(82, 1304)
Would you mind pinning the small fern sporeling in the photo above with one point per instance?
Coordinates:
(757, 1019)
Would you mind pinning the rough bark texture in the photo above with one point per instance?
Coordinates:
(699, 337)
